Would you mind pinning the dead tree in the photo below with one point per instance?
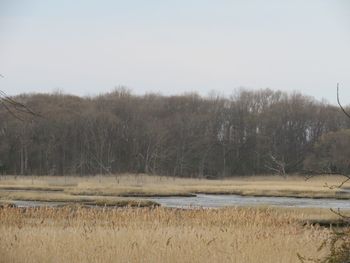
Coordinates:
(276, 165)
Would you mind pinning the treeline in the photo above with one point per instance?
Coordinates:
(252, 132)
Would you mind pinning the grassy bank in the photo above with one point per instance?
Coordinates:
(109, 188)
(8, 197)
(75, 234)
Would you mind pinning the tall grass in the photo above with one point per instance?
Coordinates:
(49, 188)
(75, 234)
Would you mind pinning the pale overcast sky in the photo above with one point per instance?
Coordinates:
(89, 47)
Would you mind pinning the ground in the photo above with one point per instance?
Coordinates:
(130, 233)
(119, 189)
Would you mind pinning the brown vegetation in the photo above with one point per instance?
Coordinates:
(111, 189)
(74, 234)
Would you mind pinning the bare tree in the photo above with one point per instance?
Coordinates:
(185, 135)
(339, 242)
(277, 165)
(346, 175)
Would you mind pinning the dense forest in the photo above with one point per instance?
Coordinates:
(251, 132)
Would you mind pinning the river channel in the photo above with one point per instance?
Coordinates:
(217, 201)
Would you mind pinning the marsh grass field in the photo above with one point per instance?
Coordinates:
(76, 234)
(138, 231)
(119, 188)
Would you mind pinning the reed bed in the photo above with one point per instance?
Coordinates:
(73, 188)
(78, 234)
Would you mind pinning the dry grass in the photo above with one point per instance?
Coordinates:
(74, 234)
(77, 234)
(7, 197)
(49, 188)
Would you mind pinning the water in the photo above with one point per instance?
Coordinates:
(217, 201)
(37, 204)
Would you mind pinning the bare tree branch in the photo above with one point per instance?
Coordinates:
(14, 107)
(347, 178)
(11, 112)
(339, 213)
(340, 105)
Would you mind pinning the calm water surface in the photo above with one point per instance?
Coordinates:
(217, 201)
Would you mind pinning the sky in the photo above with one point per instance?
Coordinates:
(87, 47)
